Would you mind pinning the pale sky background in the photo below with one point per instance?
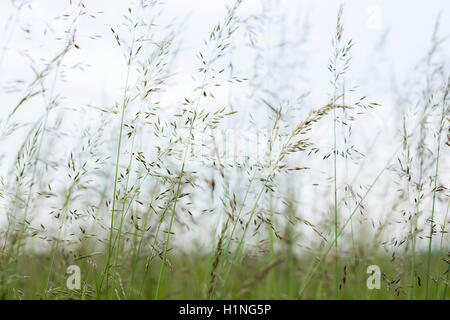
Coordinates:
(407, 24)
(391, 37)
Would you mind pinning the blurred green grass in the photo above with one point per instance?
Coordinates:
(256, 277)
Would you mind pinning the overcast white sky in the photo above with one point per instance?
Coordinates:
(379, 67)
(408, 23)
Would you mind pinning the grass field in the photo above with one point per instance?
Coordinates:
(141, 199)
(262, 277)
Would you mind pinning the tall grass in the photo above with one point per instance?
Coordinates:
(244, 187)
